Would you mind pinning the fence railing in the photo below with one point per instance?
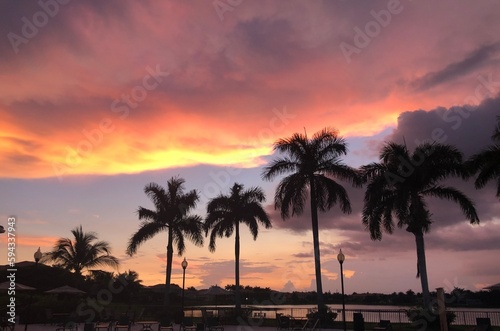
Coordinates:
(463, 317)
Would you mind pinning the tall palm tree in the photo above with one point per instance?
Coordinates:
(81, 252)
(224, 215)
(487, 162)
(397, 187)
(171, 214)
(314, 164)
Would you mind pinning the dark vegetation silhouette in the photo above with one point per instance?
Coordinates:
(312, 166)
(224, 215)
(398, 186)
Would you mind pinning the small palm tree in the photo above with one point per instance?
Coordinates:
(171, 214)
(397, 187)
(487, 162)
(224, 215)
(82, 252)
(314, 164)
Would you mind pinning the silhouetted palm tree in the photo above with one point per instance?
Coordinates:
(397, 187)
(487, 162)
(313, 164)
(128, 284)
(82, 252)
(171, 214)
(224, 215)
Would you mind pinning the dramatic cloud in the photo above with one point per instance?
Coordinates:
(456, 70)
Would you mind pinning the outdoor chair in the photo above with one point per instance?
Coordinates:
(123, 323)
(212, 323)
(483, 324)
(384, 325)
(165, 324)
(103, 326)
(67, 326)
(304, 326)
(188, 324)
(282, 322)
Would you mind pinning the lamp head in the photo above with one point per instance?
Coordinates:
(184, 264)
(37, 255)
(341, 257)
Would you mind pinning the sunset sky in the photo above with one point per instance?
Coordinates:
(100, 98)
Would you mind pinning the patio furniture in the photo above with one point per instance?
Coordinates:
(188, 324)
(123, 323)
(483, 324)
(102, 326)
(147, 325)
(165, 324)
(213, 324)
(383, 325)
(67, 326)
(302, 325)
(282, 322)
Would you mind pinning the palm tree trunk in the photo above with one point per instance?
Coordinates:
(237, 297)
(168, 272)
(422, 268)
(315, 231)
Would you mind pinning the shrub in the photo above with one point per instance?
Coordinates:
(326, 317)
(428, 319)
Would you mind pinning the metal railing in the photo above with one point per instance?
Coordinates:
(463, 317)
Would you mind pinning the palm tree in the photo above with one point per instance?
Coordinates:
(487, 162)
(397, 187)
(128, 283)
(313, 164)
(171, 214)
(82, 252)
(224, 215)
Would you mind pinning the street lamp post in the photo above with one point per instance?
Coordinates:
(341, 258)
(184, 266)
(38, 257)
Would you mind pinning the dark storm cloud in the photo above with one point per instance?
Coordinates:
(454, 70)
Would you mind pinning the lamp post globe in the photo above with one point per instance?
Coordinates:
(341, 259)
(37, 255)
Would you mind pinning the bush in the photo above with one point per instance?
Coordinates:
(326, 317)
(428, 319)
